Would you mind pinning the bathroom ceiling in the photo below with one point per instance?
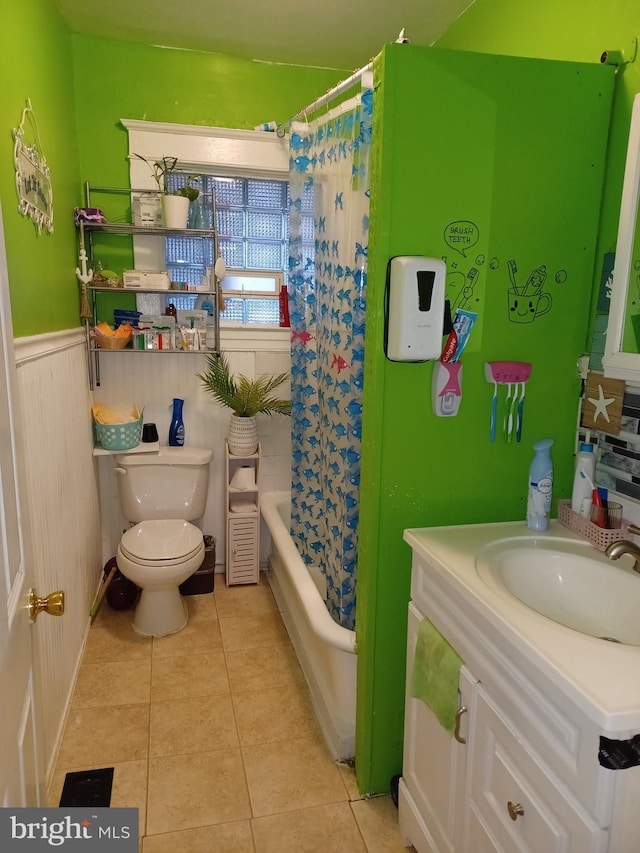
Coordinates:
(328, 33)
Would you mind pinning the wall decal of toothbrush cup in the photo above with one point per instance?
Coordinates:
(526, 302)
(513, 374)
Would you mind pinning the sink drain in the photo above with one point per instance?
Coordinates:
(609, 639)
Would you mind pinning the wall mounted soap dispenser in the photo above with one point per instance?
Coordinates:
(415, 308)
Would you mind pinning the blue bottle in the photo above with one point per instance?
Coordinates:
(540, 486)
(176, 430)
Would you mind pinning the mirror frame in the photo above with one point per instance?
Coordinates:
(616, 363)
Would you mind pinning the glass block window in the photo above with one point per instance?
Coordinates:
(252, 218)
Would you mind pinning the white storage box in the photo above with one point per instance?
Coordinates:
(147, 210)
(146, 280)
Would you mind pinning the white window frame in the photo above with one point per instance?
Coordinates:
(219, 150)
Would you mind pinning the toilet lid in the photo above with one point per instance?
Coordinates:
(162, 541)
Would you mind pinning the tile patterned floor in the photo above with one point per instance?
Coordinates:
(213, 738)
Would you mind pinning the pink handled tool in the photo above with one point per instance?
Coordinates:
(508, 373)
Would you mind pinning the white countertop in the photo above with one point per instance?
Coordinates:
(602, 677)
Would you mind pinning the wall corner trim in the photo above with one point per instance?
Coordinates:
(39, 346)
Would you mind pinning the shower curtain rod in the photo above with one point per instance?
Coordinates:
(335, 91)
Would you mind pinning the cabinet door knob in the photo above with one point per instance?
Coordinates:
(456, 733)
(514, 810)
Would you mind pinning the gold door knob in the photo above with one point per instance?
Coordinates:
(514, 810)
(53, 604)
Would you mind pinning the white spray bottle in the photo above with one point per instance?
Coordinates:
(540, 486)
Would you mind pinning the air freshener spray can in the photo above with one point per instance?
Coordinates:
(540, 486)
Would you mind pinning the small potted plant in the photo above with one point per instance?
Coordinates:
(175, 204)
(246, 398)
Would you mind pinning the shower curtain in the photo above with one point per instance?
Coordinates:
(328, 234)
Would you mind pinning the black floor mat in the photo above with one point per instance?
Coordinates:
(87, 788)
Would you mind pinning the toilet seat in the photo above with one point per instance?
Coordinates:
(162, 542)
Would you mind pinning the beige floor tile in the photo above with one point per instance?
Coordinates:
(249, 600)
(96, 737)
(201, 724)
(199, 789)
(116, 683)
(265, 668)
(224, 838)
(116, 641)
(195, 638)
(188, 676)
(250, 632)
(349, 778)
(202, 607)
(270, 715)
(377, 819)
(288, 775)
(106, 617)
(129, 788)
(315, 830)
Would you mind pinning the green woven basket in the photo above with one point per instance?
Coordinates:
(119, 436)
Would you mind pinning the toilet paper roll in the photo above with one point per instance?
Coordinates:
(244, 478)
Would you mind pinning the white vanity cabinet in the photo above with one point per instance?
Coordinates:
(434, 765)
(523, 772)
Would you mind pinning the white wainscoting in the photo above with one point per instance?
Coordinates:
(62, 502)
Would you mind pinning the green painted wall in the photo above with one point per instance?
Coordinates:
(115, 80)
(85, 84)
(35, 63)
(576, 30)
(122, 80)
(517, 147)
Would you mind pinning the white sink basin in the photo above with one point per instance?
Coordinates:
(566, 581)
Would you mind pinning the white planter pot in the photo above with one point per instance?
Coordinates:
(176, 211)
(242, 436)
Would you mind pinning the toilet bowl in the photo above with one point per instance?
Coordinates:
(161, 494)
(158, 555)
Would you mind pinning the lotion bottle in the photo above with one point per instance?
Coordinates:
(540, 486)
(176, 430)
(583, 486)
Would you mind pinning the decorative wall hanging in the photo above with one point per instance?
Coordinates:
(33, 176)
(602, 403)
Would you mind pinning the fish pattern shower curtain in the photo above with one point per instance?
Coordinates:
(328, 245)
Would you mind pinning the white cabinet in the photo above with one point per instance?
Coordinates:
(514, 800)
(243, 518)
(521, 772)
(434, 766)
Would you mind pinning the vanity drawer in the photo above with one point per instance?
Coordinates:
(503, 771)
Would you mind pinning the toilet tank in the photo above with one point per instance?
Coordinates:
(169, 484)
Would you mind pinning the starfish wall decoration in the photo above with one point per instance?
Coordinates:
(602, 404)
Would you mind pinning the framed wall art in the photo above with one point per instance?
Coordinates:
(33, 176)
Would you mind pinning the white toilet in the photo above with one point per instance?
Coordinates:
(162, 492)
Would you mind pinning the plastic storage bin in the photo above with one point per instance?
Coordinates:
(119, 436)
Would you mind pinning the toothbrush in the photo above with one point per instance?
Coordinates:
(520, 412)
(507, 413)
(494, 411)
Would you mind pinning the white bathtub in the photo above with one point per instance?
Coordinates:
(326, 650)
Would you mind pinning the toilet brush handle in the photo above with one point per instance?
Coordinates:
(101, 592)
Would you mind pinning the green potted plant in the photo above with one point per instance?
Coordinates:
(175, 204)
(246, 398)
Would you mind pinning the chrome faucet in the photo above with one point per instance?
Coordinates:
(624, 546)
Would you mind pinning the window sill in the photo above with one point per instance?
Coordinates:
(255, 337)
